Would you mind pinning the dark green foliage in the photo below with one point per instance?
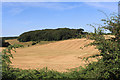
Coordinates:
(7, 38)
(51, 34)
(3, 43)
(108, 67)
(33, 43)
(6, 54)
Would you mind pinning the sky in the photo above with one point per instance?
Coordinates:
(20, 17)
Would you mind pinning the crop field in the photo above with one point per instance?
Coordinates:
(59, 56)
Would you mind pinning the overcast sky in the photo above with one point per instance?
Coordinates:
(19, 17)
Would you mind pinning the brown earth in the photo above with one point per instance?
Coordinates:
(60, 55)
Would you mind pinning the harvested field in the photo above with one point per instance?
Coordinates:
(60, 55)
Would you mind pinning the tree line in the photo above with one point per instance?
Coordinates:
(51, 34)
(3, 43)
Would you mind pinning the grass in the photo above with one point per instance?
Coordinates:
(26, 44)
(15, 41)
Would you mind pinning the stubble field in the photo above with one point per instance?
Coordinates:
(59, 56)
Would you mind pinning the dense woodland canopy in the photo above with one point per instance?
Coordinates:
(51, 34)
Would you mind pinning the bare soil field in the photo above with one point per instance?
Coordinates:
(59, 56)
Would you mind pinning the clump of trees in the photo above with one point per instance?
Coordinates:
(3, 43)
(51, 34)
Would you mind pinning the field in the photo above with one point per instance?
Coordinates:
(15, 41)
(59, 56)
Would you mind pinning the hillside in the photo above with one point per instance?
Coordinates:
(60, 55)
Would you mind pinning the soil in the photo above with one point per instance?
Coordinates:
(59, 56)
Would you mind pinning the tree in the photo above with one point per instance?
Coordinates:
(113, 25)
(50, 34)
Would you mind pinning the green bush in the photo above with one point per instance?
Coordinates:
(108, 67)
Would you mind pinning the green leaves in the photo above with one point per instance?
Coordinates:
(6, 54)
(51, 34)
